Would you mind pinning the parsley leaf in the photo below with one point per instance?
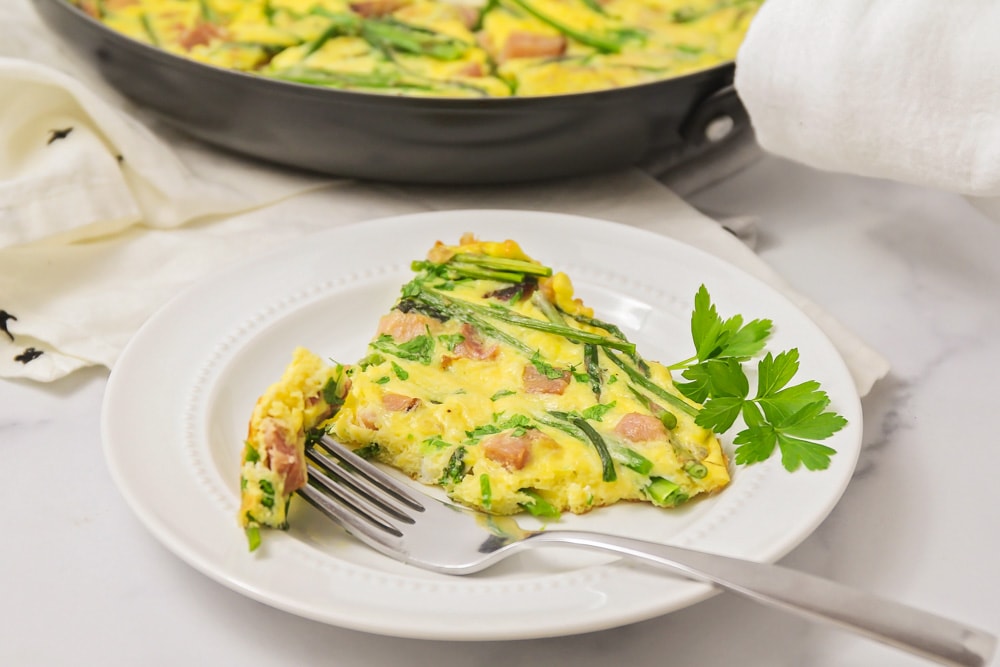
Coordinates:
(718, 338)
(790, 418)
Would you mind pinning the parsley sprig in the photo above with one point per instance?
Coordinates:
(792, 418)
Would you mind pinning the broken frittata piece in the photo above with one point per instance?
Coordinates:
(273, 459)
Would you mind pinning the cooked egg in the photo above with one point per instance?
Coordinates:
(490, 379)
(443, 48)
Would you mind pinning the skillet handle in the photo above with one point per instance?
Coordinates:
(717, 118)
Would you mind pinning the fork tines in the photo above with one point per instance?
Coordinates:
(356, 494)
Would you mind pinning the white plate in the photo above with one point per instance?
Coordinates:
(179, 399)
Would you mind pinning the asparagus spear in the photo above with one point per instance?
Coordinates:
(390, 34)
(374, 80)
(650, 386)
(608, 473)
(607, 43)
(463, 309)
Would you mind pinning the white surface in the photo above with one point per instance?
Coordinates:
(913, 272)
(212, 351)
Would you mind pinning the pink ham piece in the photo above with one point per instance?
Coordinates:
(370, 8)
(638, 427)
(399, 403)
(405, 327)
(536, 383)
(521, 44)
(473, 347)
(281, 455)
(510, 451)
(199, 35)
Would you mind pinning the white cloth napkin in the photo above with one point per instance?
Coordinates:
(895, 89)
(74, 167)
(91, 245)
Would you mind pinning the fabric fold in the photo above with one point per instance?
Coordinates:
(74, 167)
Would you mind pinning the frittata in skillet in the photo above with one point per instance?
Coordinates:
(491, 380)
(450, 48)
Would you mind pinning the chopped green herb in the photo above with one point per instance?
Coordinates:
(451, 340)
(371, 360)
(436, 442)
(480, 431)
(544, 368)
(331, 390)
(382, 380)
(252, 455)
(419, 348)
(597, 412)
(503, 392)
(399, 371)
(369, 451)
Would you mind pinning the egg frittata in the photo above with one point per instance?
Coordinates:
(272, 462)
(490, 379)
(449, 48)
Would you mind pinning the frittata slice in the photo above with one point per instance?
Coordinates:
(488, 378)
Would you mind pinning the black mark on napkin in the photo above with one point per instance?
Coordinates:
(4, 318)
(29, 354)
(55, 135)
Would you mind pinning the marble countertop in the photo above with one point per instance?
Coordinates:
(913, 272)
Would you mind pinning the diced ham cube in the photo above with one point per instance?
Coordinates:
(537, 383)
(522, 44)
(470, 69)
(638, 427)
(374, 8)
(399, 403)
(473, 347)
(509, 451)
(405, 327)
(199, 34)
(281, 454)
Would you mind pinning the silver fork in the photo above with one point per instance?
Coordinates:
(422, 531)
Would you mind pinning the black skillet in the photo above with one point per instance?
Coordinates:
(408, 139)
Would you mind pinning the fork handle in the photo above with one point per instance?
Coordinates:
(921, 633)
